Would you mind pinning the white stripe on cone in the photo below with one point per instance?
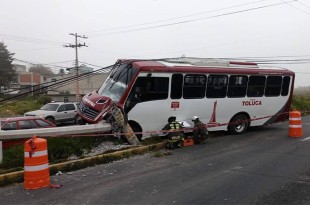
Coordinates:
(295, 126)
(36, 168)
(294, 118)
(36, 153)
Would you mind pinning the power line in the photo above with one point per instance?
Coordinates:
(29, 39)
(192, 20)
(175, 18)
(303, 4)
(51, 86)
(288, 3)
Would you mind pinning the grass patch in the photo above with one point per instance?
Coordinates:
(21, 106)
(301, 103)
(59, 150)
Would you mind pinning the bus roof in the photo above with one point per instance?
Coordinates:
(206, 65)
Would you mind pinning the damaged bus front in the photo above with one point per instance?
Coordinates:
(95, 105)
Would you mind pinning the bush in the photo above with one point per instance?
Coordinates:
(13, 157)
(59, 149)
(301, 103)
(43, 99)
(19, 107)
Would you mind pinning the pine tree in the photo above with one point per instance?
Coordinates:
(7, 73)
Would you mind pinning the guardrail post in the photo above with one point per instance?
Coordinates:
(1, 153)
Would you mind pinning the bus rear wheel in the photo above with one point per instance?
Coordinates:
(239, 124)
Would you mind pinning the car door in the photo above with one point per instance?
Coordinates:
(71, 111)
(61, 114)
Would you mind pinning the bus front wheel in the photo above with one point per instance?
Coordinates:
(136, 129)
(239, 124)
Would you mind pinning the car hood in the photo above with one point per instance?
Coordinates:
(39, 112)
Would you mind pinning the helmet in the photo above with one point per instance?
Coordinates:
(195, 118)
(171, 119)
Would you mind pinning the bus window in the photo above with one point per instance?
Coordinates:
(152, 88)
(285, 85)
(176, 86)
(217, 86)
(194, 86)
(273, 86)
(256, 86)
(237, 86)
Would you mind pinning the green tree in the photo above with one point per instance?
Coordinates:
(7, 73)
(40, 69)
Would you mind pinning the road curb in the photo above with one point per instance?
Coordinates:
(17, 177)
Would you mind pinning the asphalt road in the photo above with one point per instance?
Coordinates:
(263, 166)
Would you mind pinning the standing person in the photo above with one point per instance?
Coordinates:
(175, 136)
(200, 131)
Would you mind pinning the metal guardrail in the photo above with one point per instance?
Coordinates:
(50, 132)
(54, 131)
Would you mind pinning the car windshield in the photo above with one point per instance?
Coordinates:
(50, 107)
(115, 85)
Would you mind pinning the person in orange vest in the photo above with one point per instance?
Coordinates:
(200, 133)
(175, 136)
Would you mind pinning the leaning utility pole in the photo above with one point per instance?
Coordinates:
(77, 95)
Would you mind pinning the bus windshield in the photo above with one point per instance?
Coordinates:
(116, 84)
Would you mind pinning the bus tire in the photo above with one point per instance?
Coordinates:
(239, 124)
(136, 128)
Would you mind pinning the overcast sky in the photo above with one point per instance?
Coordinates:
(36, 30)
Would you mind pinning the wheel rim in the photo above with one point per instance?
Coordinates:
(239, 126)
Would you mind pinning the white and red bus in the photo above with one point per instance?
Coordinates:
(228, 95)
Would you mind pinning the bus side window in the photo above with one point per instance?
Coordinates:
(256, 86)
(285, 85)
(194, 86)
(273, 86)
(217, 86)
(237, 86)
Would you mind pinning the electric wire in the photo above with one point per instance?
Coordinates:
(30, 40)
(175, 18)
(288, 3)
(192, 20)
(52, 86)
(303, 4)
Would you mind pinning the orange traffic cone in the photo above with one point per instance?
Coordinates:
(36, 174)
(295, 124)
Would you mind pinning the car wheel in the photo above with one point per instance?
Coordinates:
(239, 124)
(50, 119)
